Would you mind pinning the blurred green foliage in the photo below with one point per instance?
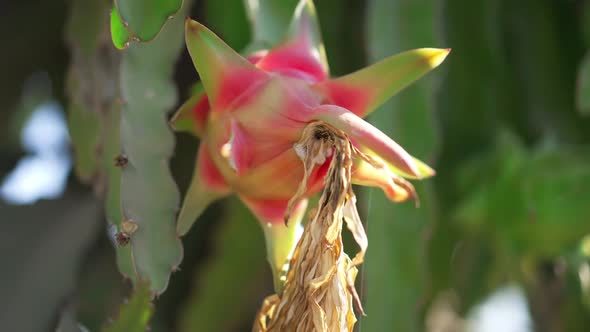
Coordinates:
(225, 293)
(135, 314)
(503, 121)
(394, 276)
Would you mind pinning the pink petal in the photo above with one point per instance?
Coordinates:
(200, 113)
(344, 95)
(302, 54)
(276, 179)
(269, 211)
(364, 90)
(293, 60)
(193, 114)
(368, 136)
(208, 172)
(225, 74)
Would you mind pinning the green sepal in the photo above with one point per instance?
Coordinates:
(183, 119)
(380, 81)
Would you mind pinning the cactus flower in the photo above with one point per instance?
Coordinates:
(251, 111)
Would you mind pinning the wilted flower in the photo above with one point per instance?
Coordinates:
(319, 289)
(251, 113)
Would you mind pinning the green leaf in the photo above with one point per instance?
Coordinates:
(134, 316)
(237, 270)
(144, 19)
(583, 88)
(119, 33)
(584, 22)
(149, 194)
(538, 29)
(476, 58)
(394, 271)
(555, 185)
(229, 20)
(533, 202)
(476, 93)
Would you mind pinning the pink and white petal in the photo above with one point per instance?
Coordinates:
(256, 56)
(241, 149)
(207, 186)
(369, 137)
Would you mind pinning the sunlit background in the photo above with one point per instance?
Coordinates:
(481, 254)
(42, 173)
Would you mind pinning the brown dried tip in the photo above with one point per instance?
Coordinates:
(319, 292)
(121, 161)
(122, 239)
(127, 228)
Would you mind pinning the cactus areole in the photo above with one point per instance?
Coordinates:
(251, 112)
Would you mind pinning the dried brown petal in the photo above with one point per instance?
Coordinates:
(319, 293)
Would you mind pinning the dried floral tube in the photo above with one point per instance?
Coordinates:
(319, 292)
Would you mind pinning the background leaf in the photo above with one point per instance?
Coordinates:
(237, 270)
(583, 87)
(395, 274)
(476, 95)
(37, 284)
(269, 20)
